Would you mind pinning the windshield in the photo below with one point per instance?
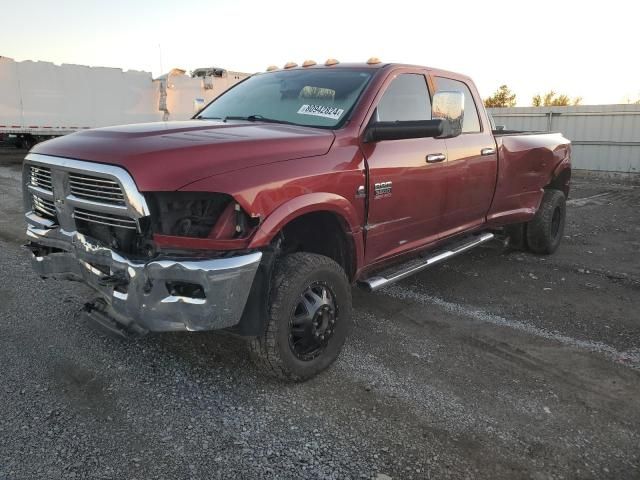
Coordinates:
(314, 98)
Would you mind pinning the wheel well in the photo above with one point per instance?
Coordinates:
(324, 233)
(561, 182)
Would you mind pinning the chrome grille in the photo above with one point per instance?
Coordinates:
(105, 219)
(96, 189)
(44, 207)
(41, 177)
(81, 196)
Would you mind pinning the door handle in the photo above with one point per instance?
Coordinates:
(488, 151)
(436, 157)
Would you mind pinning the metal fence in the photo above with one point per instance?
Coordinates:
(604, 137)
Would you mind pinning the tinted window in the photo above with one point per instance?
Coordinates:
(471, 120)
(314, 97)
(406, 98)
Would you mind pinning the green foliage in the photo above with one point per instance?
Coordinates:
(553, 99)
(503, 97)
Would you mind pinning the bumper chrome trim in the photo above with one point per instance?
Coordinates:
(144, 299)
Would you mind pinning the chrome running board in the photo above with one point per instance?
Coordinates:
(397, 273)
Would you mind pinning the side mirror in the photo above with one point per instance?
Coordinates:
(449, 107)
(402, 130)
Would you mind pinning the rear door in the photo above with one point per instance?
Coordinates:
(405, 192)
(472, 166)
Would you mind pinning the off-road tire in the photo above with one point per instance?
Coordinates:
(544, 233)
(271, 351)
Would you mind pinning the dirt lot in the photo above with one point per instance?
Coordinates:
(494, 366)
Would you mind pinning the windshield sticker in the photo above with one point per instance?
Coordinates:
(321, 111)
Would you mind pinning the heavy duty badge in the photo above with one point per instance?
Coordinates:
(382, 189)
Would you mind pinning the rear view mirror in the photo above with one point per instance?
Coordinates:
(449, 107)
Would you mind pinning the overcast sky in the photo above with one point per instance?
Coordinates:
(577, 48)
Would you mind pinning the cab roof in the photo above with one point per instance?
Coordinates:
(374, 66)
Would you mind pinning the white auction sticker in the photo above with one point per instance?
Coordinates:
(321, 111)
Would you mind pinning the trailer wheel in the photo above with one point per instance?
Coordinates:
(544, 233)
(309, 318)
(27, 142)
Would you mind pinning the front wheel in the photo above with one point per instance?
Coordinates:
(545, 231)
(309, 317)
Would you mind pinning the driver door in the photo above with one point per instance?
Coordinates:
(407, 178)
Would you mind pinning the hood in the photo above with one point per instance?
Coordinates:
(165, 156)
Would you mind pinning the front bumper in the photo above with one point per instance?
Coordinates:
(142, 294)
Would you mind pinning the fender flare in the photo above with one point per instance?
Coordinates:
(561, 174)
(563, 164)
(308, 203)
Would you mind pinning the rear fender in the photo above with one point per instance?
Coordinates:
(561, 176)
(527, 165)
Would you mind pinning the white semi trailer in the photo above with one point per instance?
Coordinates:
(40, 100)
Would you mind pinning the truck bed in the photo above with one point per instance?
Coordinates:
(504, 133)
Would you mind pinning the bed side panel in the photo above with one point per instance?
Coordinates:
(526, 164)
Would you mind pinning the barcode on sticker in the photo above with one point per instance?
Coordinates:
(321, 111)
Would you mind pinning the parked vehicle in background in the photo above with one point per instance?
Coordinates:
(259, 214)
(40, 100)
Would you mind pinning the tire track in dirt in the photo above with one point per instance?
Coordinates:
(629, 358)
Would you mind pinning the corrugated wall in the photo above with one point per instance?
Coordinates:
(604, 137)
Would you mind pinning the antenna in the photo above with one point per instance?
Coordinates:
(160, 51)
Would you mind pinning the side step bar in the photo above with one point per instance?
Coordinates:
(388, 277)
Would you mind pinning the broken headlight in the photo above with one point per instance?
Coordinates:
(197, 214)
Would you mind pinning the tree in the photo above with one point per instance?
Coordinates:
(552, 99)
(503, 97)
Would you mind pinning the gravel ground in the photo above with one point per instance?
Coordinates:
(494, 366)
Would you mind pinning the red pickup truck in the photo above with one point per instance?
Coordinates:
(258, 215)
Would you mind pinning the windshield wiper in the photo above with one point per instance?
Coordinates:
(257, 118)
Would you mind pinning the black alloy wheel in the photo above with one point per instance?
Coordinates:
(313, 321)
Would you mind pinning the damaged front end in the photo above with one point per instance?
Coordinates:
(88, 222)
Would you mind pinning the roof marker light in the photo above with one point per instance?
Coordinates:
(373, 61)
(290, 65)
(309, 63)
(331, 61)
(271, 68)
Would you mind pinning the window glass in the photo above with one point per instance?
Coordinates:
(406, 98)
(471, 120)
(314, 97)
